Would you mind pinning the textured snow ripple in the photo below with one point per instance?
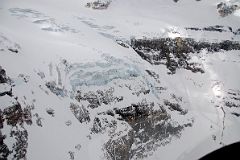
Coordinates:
(23, 13)
(46, 23)
(8, 45)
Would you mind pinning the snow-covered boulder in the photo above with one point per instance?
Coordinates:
(225, 9)
(99, 4)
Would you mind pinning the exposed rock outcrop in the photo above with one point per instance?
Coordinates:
(98, 98)
(152, 128)
(225, 9)
(9, 46)
(54, 88)
(16, 116)
(174, 53)
(80, 112)
(99, 4)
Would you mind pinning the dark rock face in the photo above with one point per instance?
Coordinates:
(50, 111)
(216, 28)
(236, 114)
(225, 9)
(13, 115)
(38, 120)
(233, 99)
(3, 77)
(71, 154)
(13, 50)
(119, 149)
(150, 127)
(135, 111)
(16, 117)
(27, 115)
(4, 150)
(52, 86)
(153, 130)
(1, 119)
(98, 4)
(20, 147)
(122, 43)
(174, 53)
(81, 113)
(237, 32)
(8, 45)
(98, 98)
(102, 124)
(91, 97)
(175, 107)
(155, 135)
(6, 92)
(232, 104)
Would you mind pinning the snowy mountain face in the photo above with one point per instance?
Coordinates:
(118, 79)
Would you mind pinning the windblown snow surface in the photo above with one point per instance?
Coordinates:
(118, 79)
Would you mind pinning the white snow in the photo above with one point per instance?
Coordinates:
(4, 87)
(7, 101)
(47, 32)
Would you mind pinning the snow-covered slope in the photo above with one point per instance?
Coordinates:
(118, 79)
